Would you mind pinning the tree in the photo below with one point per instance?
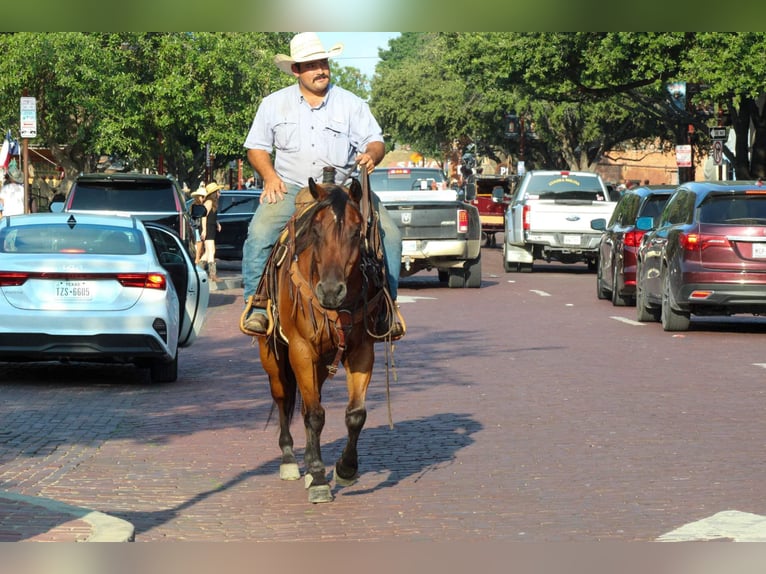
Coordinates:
(140, 96)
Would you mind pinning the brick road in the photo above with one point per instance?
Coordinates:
(507, 426)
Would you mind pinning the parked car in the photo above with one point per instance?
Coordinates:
(616, 272)
(235, 210)
(98, 288)
(707, 255)
(149, 197)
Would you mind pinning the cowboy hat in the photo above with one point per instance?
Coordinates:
(212, 188)
(305, 47)
(199, 192)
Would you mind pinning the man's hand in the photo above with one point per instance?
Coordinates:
(273, 190)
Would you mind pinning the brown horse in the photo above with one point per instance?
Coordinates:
(325, 285)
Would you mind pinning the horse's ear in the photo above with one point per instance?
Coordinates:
(314, 189)
(355, 191)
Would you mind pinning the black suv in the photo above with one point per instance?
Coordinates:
(149, 197)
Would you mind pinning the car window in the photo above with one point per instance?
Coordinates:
(680, 208)
(80, 238)
(733, 209)
(624, 213)
(653, 206)
(131, 197)
(406, 179)
(565, 186)
(237, 204)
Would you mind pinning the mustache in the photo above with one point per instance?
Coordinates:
(322, 77)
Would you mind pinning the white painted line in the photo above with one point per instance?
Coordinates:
(628, 321)
(411, 298)
(541, 293)
(726, 525)
(763, 365)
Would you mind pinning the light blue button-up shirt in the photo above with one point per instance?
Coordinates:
(308, 139)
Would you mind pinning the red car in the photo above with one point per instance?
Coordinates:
(707, 255)
(616, 272)
(491, 195)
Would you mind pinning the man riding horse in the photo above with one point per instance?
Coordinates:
(309, 125)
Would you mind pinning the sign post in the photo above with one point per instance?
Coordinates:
(28, 129)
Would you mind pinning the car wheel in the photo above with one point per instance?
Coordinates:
(473, 274)
(601, 293)
(671, 320)
(443, 276)
(617, 299)
(525, 267)
(164, 371)
(508, 266)
(644, 313)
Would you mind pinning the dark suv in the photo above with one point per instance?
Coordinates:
(149, 197)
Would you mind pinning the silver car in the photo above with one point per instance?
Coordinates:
(100, 288)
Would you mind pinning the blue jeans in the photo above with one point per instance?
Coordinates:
(269, 220)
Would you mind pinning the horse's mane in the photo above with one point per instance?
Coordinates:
(337, 199)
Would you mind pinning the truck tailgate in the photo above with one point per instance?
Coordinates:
(568, 215)
(425, 220)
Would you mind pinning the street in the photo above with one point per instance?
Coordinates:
(526, 410)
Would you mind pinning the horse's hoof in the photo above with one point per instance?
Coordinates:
(340, 481)
(289, 471)
(320, 493)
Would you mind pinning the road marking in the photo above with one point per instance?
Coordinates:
(626, 320)
(725, 525)
(541, 293)
(411, 298)
(763, 365)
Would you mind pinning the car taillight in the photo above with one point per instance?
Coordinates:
(701, 241)
(525, 218)
(143, 280)
(10, 278)
(462, 221)
(633, 238)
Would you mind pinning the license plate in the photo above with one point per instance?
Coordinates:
(72, 291)
(409, 247)
(759, 250)
(571, 240)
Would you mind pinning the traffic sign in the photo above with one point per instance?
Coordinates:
(718, 133)
(717, 152)
(28, 116)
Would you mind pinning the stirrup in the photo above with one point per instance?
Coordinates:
(249, 307)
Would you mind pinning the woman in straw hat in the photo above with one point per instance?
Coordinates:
(310, 125)
(198, 196)
(210, 228)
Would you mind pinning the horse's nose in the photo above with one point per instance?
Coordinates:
(331, 293)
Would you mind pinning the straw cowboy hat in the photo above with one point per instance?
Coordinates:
(199, 192)
(212, 188)
(305, 47)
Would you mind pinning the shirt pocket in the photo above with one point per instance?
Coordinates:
(286, 136)
(338, 142)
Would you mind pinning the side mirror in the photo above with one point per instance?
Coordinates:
(598, 224)
(645, 223)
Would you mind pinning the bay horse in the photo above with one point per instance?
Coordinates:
(325, 284)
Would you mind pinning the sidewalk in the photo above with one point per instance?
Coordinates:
(37, 519)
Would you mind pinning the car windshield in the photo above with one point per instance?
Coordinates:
(406, 179)
(566, 186)
(237, 204)
(63, 238)
(734, 209)
(132, 197)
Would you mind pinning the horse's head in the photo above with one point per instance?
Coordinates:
(334, 235)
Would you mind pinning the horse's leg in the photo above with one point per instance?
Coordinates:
(283, 391)
(358, 366)
(310, 378)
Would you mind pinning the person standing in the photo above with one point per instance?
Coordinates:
(198, 198)
(12, 192)
(309, 125)
(210, 228)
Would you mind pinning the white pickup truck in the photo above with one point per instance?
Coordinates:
(549, 219)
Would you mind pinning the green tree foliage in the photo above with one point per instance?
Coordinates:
(585, 93)
(140, 95)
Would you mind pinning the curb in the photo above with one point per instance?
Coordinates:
(225, 283)
(104, 528)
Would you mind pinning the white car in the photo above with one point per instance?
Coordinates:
(100, 288)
